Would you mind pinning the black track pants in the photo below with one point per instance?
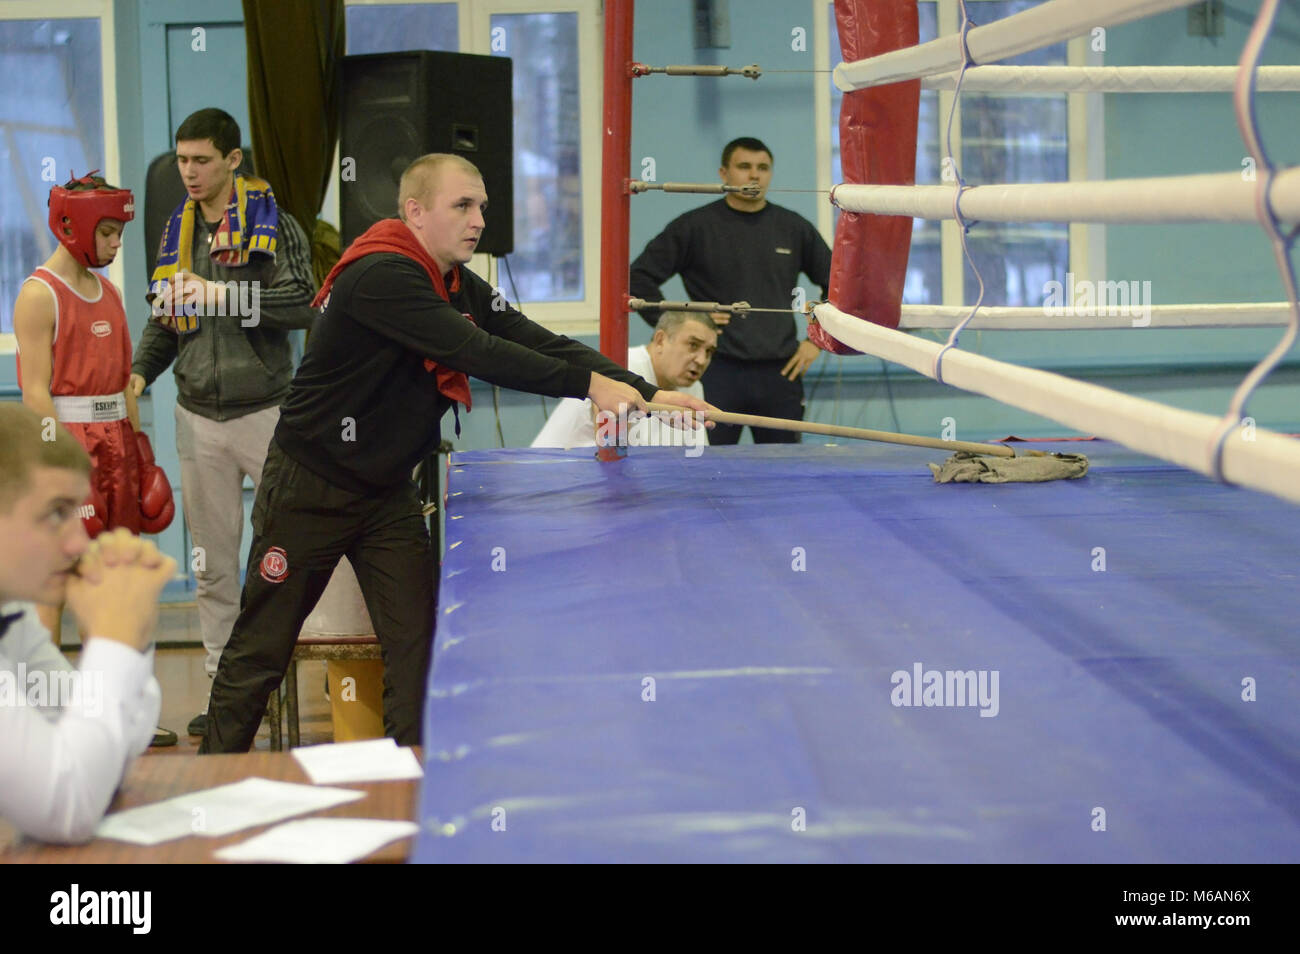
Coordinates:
(752, 387)
(302, 525)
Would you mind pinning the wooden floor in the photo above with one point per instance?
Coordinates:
(185, 685)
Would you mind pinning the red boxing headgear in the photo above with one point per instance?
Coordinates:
(76, 213)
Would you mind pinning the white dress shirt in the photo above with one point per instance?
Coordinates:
(67, 735)
(571, 424)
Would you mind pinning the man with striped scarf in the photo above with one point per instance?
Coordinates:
(233, 278)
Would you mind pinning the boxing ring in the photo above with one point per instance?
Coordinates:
(773, 592)
(817, 653)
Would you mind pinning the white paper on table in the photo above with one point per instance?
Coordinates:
(319, 841)
(372, 760)
(214, 812)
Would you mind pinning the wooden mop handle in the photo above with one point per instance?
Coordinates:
(836, 430)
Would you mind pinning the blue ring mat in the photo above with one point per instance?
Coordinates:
(773, 734)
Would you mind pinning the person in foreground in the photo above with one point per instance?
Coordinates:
(68, 735)
(403, 326)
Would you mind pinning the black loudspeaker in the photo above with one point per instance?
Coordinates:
(163, 191)
(399, 106)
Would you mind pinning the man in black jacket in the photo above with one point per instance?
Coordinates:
(743, 248)
(402, 327)
(223, 314)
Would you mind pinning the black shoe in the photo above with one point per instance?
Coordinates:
(162, 738)
(198, 725)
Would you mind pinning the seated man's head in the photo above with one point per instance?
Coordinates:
(442, 200)
(682, 347)
(44, 479)
(207, 154)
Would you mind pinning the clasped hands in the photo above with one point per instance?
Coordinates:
(115, 587)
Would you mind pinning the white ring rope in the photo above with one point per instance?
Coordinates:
(1262, 460)
(1238, 452)
(1040, 318)
(964, 230)
(1213, 197)
(1269, 219)
(1039, 26)
(1111, 79)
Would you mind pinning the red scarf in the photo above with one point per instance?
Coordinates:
(391, 235)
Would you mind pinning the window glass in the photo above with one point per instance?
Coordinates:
(397, 27)
(546, 264)
(51, 126)
(1015, 138)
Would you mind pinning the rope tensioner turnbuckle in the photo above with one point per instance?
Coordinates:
(753, 70)
(637, 186)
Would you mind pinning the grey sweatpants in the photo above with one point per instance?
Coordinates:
(215, 456)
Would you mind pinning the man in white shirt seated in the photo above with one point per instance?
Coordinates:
(680, 351)
(67, 735)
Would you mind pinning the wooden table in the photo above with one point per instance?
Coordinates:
(154, 778)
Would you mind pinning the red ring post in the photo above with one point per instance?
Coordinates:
(616, 158)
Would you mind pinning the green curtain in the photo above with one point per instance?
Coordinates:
(295, 60)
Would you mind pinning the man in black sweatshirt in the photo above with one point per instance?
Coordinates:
(403, 325)
(743, 248)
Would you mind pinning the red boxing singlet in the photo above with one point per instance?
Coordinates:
(92, 346)
(92, 358)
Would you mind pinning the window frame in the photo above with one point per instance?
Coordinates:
(101, 10)
(1085, 149)
(580, 316)
(474, 26)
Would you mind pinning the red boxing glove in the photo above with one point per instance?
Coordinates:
(93, 513)
(157, 506)
(164, 519)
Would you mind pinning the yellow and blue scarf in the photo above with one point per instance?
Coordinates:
(248, 225)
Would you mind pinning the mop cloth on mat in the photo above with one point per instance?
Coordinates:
(965, 467)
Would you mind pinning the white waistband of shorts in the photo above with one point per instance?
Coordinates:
(90, 408)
